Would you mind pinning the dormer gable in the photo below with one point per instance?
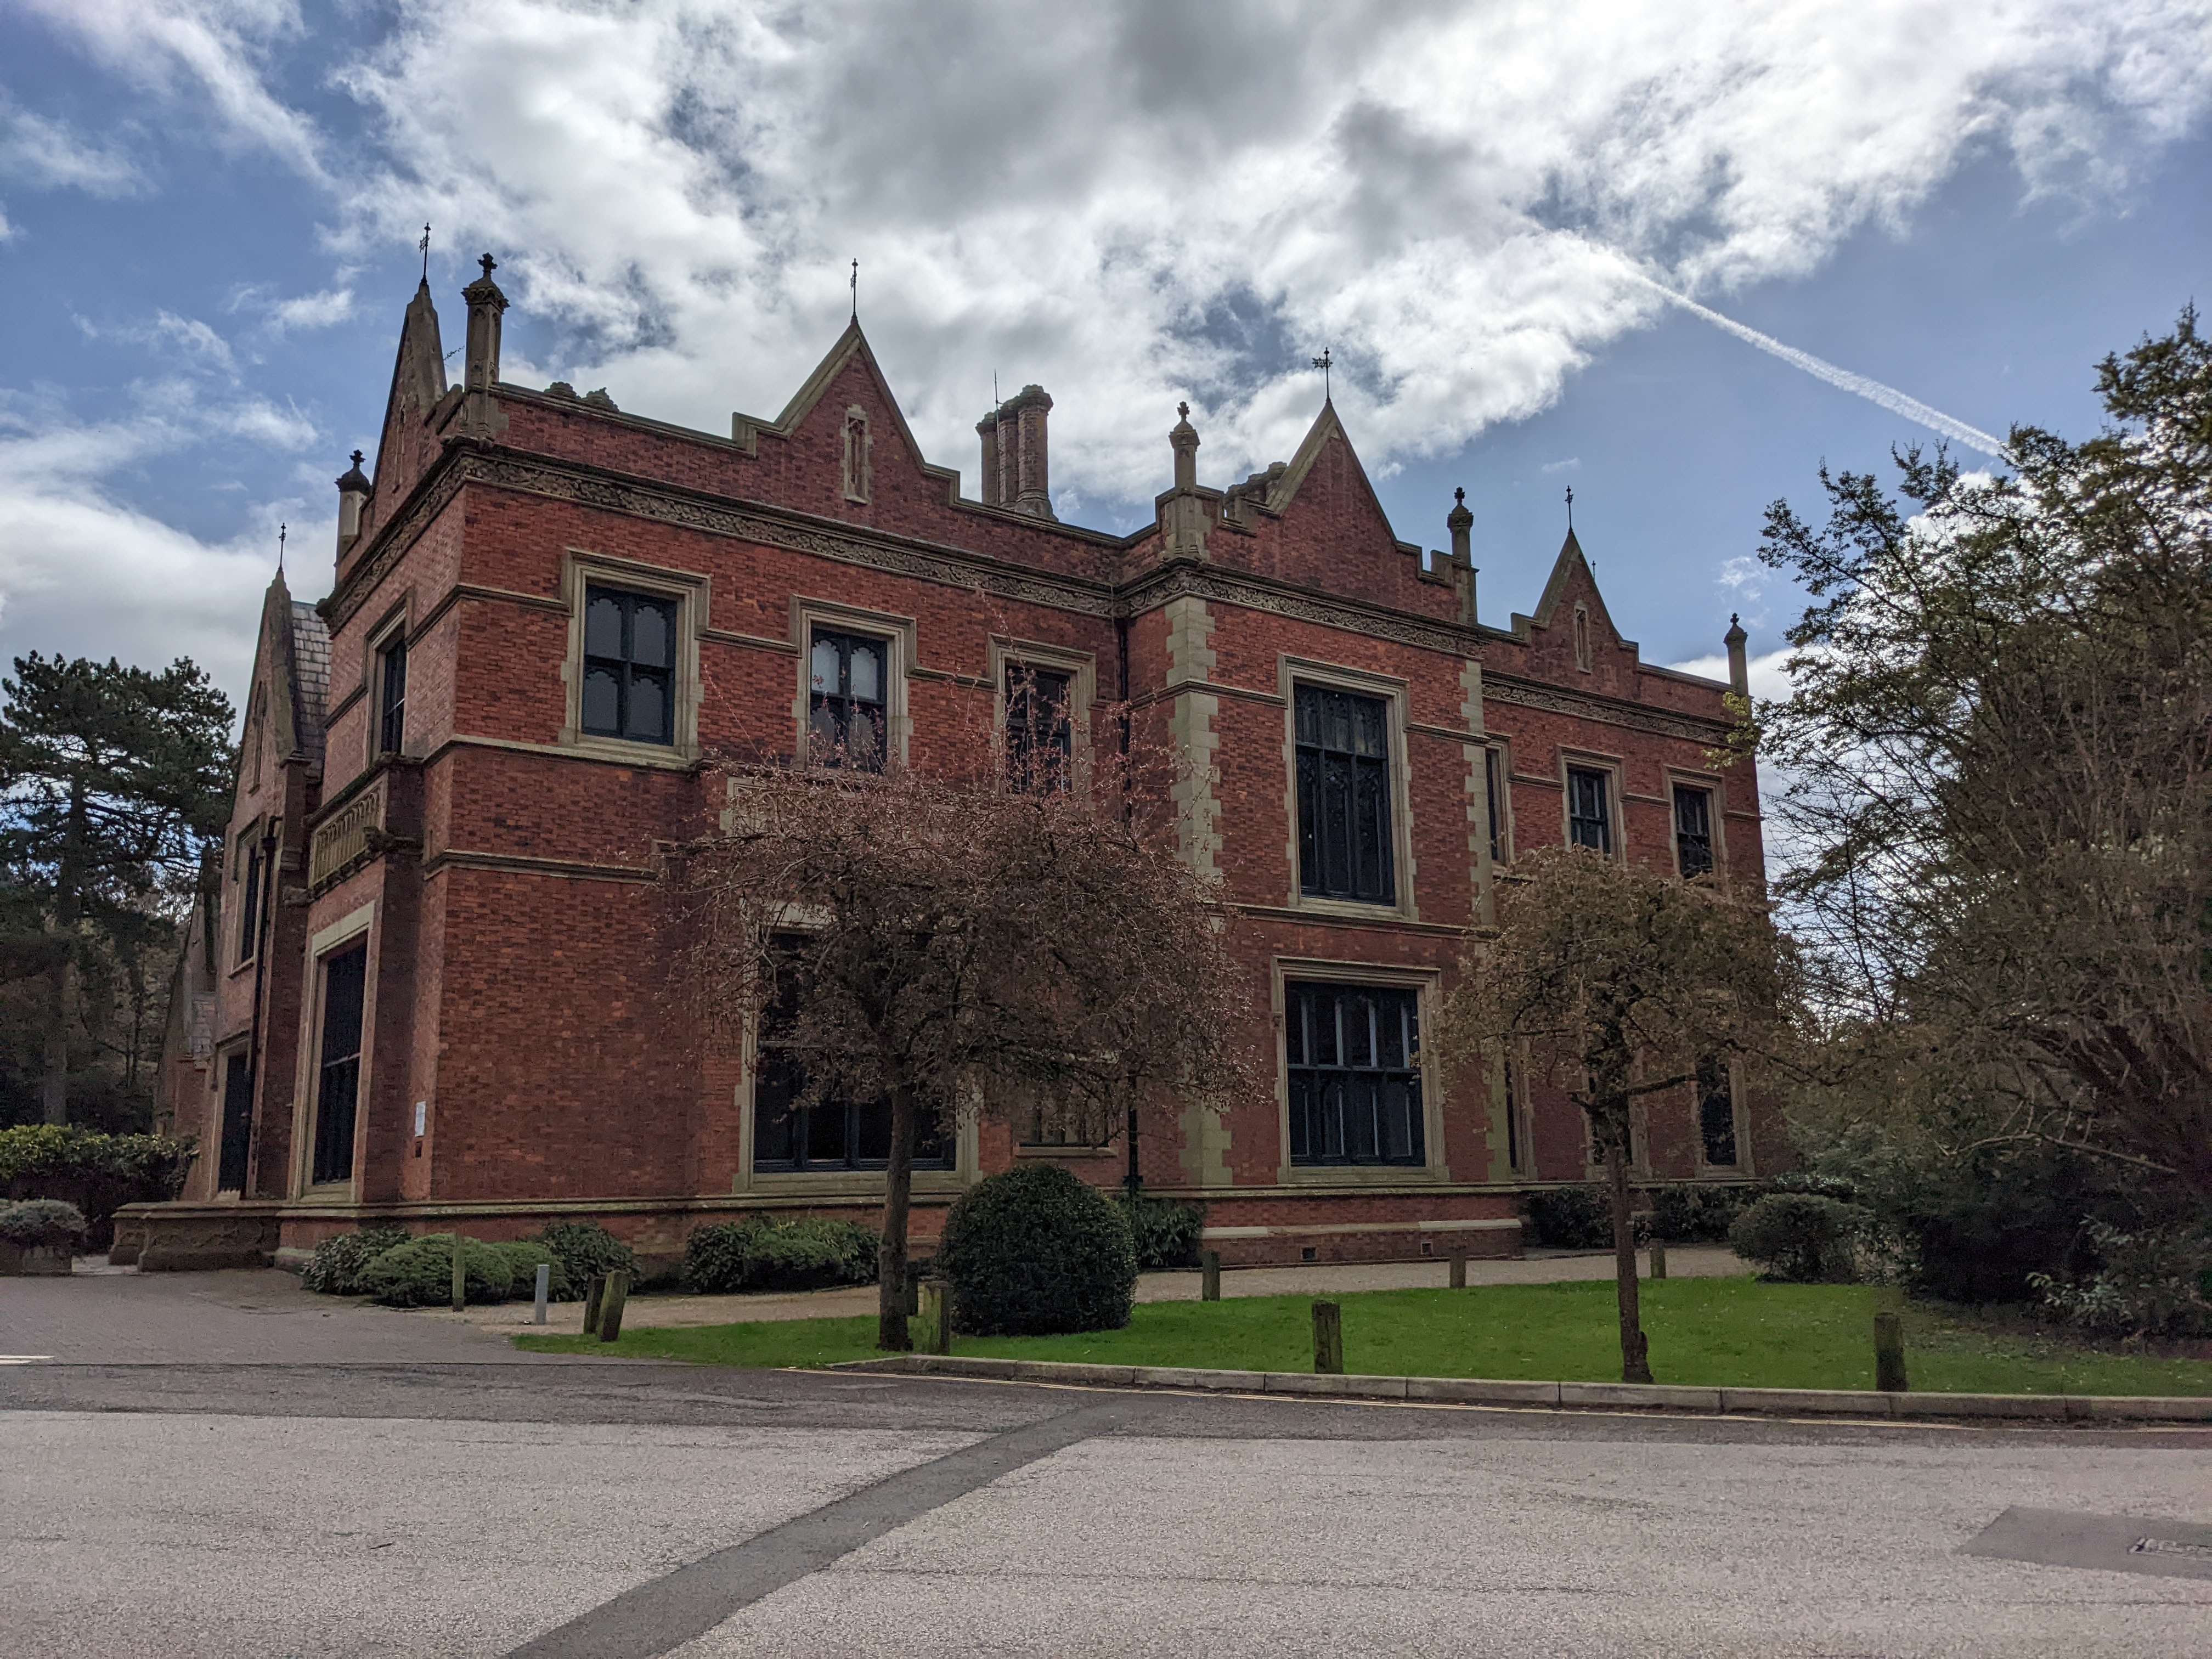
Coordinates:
(1572, 637)
(844, 430)
(407, 446)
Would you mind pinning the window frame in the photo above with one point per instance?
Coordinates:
(1607, 766)
(1425, 984)
(629, 674)
(692, 594)
(1295, 673)
(1498, 795)
(1677, 781)
(1732, 1076)
(385, 713)
(356, 928)
(1007, 656)
(252, 877)
(899, 634)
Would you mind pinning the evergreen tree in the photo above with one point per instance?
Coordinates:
(111, 781)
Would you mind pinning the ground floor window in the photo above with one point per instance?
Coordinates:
(1355, 1083)
(1717, 1113)
(338, 1087)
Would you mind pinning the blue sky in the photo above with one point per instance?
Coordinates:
(210, 209)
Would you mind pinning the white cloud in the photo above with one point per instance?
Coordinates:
(309, 311)
(46, 154)
(1765, 671)
(84, 573)
(1133, 202)
(220, 50)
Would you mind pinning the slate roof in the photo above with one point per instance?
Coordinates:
(311, 670)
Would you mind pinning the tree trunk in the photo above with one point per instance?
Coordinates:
(1635, 1360)
(53, 1089)
(898, 1200)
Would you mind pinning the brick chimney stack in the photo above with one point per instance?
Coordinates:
(1014, 471)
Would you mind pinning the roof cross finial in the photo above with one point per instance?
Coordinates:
(855, 279)
(490, 265)
(423, 247)
(1570, 509)
(1322, 363)
(281, 531)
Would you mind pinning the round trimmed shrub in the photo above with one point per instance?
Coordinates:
(336, 1266)
(420, 1272)
(523, 1259)
(41, 1223)
(755, 1253)
(1038, 1250)
(1801, 1238)
(585, 1249)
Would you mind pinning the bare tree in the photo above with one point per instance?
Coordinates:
(1620, 981)
(1010, 934)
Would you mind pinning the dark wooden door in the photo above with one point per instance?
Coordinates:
(237, 1122)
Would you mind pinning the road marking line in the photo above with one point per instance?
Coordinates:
(23, 1358)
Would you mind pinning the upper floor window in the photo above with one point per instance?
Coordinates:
(1344, 796)
(249, 910)
(1493, 789)
(630, 665)
(1352, 1052)
(847, 683)
(392, 697)
(1040, 726)
(1693, 830)
(1717, 1112)
(1589, 809)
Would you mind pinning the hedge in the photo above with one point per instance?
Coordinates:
(420, 1272)
(755, 1253)
(1165, 1230)
(98, 1173)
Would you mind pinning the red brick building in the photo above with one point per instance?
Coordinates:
(437, 989)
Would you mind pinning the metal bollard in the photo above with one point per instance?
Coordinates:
(1889, 1354)
(1209, 1276)
(1458, 1270)
(544, 1289)
(1328, 1339)
(460, 1275)
(611, 1306)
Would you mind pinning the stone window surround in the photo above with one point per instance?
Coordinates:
(1673, 776)
(1291, 673)
(244, 846)
(1517, 1103)
(1503, 747)
(1081, 666)
(693, 594)
(1614, 767)
(900, 633)
(1425, 983)
(393, 625)
(326, 942)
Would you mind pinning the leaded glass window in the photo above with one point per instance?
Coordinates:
(630, 665)
(1344, 796)
(847, 679)
(1353, 1055)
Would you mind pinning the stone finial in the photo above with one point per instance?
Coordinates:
(354, 491)
(487, 305)
(1460, 523)
(1739, 665)
(1184, 441)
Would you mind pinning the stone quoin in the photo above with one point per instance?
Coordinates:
(435, 988)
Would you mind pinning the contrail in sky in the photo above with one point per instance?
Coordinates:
(1873, 391)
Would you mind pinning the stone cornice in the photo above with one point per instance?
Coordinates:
(463, 464)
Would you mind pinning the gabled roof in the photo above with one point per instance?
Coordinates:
(852, 345)
(293, 653)
(418, 372)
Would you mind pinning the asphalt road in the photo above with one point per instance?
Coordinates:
(476, 1505)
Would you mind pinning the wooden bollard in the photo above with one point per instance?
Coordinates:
(936, 1320)
(460, 1275)
(1889, 1354)
(1209, 1276)
(1458, 1270)
(595, 1295)
(913, 1289)
(544, 1291)
(1658, 1258)
(1328, 1339)
(611, 1306)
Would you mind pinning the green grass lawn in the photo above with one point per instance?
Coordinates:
(1715, 1332)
